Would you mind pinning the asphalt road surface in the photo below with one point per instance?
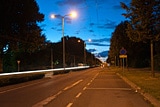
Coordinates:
(96, 87)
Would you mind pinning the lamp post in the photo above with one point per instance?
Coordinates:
(84, 53)
(51, 56)
(73, 14)
(18, 62)
(63, 43)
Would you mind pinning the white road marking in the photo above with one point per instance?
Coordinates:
(58, 93)
(47, 100)
(78, 95)
(84, 88)
(44, 102)
(89, 83)
(68, 87)
(69, 105)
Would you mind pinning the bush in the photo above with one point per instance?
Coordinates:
(61, 72)
(14, 79)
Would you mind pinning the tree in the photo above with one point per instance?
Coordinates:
(18, 29)
(137, 53)
(119, 39)
(144, 23)
(157, 56)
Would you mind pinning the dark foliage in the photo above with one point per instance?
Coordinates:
(138, 54)
(15, 79)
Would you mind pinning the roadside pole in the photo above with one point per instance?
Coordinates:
(123, 55)
(18, 62)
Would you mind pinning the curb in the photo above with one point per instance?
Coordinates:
(147, 96)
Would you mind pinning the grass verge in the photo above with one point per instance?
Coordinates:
(143, 78)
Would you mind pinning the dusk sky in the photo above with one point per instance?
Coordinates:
(96, 20)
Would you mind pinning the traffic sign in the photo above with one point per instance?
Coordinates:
(123, 51)
(122, 56)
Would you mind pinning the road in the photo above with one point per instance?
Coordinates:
(96, 87)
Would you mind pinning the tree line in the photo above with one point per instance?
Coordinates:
(50, 56)
(139, 34)
(22, 41)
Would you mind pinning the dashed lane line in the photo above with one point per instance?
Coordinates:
(84, 88)
(89, 83)
(49, 99)
(69, 105)
(78, 95)
(68, 87)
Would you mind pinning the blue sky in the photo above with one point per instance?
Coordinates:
(96, 20)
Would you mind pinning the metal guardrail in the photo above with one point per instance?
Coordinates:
(47, 70)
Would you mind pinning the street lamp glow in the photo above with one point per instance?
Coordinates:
(89, 40)
(53, 16)
(73, 14)
(79, 41)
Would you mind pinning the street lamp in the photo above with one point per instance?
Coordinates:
(72, 14)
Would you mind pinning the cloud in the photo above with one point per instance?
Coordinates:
(91, 30)
(91, 50)
(91, 24)
(102, 54)
(59, 24)
(108, 25)
(69, 2)
(59, 29)
(68, 20)
(53, 28)
(100, 40)
(77, 32)
(97, 44)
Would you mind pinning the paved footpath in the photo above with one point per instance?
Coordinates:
(146, 96)
(109, 90)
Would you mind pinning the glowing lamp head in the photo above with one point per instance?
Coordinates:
(53, 16)
(79, 41)
(73, 14)
(89, 40)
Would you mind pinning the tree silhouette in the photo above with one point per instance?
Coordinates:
(19, 31)
(144, 22)
(137, 53)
